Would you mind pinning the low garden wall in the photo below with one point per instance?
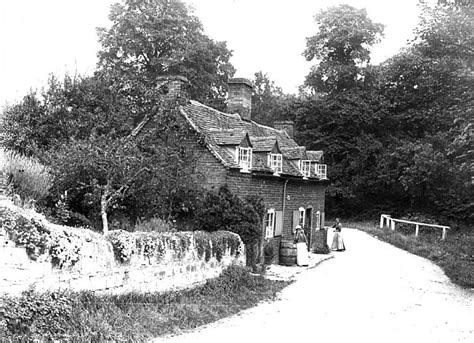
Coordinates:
(40, 255)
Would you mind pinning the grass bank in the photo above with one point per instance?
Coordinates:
(455, 255)
(89, 317)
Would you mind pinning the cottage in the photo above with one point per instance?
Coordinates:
(255, 159)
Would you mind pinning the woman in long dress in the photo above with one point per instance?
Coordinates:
(302, 258)
(337, 240)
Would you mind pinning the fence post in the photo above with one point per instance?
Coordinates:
(382, 219)
(444, 233)
(393, 224)
(417, 229)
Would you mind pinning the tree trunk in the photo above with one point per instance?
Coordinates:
(103, 213)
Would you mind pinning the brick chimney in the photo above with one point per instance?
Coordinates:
(285, 125)
(173, 87)
(240, 98)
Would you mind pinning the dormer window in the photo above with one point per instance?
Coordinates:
(305, 167)
(275, 161)
(245, 158)
(321, 171)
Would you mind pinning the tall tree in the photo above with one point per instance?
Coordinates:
(161, 37)
(269, 103)
(342, 46)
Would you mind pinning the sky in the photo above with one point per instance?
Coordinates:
(39, 38)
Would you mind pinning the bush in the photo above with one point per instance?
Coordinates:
(130, 317)
(35, 315)
(223, 210)
(154, 224)
(62, 246)
(27, 177)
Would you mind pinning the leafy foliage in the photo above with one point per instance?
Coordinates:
(342, 47)
(397, 138)
(161, 37)
(35, 315)
(88, 316)
(223, 210)
(27, 177)
(60, 246)
(269, 103)
(153, 246)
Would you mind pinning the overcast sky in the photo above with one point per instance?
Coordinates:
(39, 37)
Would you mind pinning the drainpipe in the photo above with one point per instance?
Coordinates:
(283, 207)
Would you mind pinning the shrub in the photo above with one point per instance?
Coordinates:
(35, 315)
(62, 246)
(154, 224)
(27, 177)
(223, 210)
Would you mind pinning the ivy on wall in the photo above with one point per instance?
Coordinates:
(154, 245)
(62, 246)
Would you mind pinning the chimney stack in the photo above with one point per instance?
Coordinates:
(240, 98)
(173, 87)
(285, 125)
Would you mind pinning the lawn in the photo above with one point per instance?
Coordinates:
(455, 255)
(90, 317)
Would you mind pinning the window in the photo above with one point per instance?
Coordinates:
(276, 162)
(305, 167)
(302, 214)
(245, 158)
(270, 223)
(318, 220)
(320, 170)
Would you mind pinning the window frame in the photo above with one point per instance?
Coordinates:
(244, 164)
(270, 219)
(278, 166)
(302, 218)
(305, 168)
(320, 170)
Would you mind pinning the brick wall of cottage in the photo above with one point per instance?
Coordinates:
(299, 193)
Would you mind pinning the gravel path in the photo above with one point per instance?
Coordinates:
(373, 292)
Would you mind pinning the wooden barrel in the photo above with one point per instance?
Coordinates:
(287, 253)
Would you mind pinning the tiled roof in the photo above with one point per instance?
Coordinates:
(294, 153)
(314, 155)
(221, 131)
(264, 144)
(228, 137)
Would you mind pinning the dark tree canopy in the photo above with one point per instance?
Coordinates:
(269, 103)
(397, 137)
(341, 46)
(161, 37)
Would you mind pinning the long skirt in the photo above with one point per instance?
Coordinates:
(302, 258)
(338, 242)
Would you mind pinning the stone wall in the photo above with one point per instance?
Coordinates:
(99, 270)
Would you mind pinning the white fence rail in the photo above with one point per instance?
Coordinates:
(385, 218)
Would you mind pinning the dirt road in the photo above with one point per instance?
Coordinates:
(373, 292)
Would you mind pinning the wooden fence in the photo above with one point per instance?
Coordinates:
(385, 218)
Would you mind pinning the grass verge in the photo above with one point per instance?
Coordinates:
(86, 316)
(455, 255)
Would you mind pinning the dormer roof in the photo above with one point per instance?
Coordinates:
(267, 144)
(221, 131)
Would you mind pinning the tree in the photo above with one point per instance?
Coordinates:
(161, 37)
(269, 103)
(101, 168)
(342, 47)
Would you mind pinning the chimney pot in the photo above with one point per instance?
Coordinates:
(240, 97)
